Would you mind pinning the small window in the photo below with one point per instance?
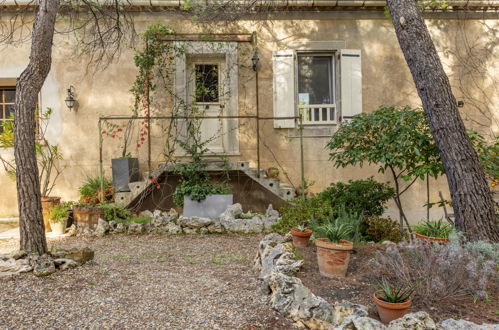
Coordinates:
(7, 104)
(207, 83)
(316, 88)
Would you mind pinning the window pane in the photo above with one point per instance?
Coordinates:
(9, 111)
(314, 78)
(206, 83)
(10, 96)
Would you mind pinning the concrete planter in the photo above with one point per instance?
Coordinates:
(125, 170)
(211, 207)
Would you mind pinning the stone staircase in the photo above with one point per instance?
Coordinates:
(282, 190)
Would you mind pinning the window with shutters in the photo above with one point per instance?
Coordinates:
(7, 104)
(322, 86)
(316, 88)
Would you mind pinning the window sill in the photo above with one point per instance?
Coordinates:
(315, 131)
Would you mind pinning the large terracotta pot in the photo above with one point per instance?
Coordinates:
(391, 311)
(333, 258)
(432, 239)
(301, 238)
(47, 204)
(86, 216)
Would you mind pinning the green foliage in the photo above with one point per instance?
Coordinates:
(344, 226)
(367, 197)
(391, 138)
(437, 229)
(394, 294)
(487, 153)
(59, 213)
(380, 229)
(89, 191)
(114, 212)
(48, 155)
(195, 181)
(138, 219)
(302, 211)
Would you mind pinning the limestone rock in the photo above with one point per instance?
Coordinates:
(120, 228)
(203, 230)
(172, 228)
(452, 324)
(79, 255)
(194, 222)
(136, 228)
(72, 231)
(233, 225)
(189, 231)
(232, 211)
(146, 214)
(12, 266)
(215, 227)
(361, 323)
(64, 264)
(416, 321)
(44, 266)
(173, 213)
(271, 218)
(19, 254)
(265, 246)
(346, 309)
(102, 228)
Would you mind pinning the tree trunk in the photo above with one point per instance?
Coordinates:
(471, 197)
(29, 85)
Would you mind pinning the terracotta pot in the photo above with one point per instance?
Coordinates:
(272, 173)
(47, 204)
(432, 239)
(86, 216)
(301, 238)
(391, 311)
(333, 258)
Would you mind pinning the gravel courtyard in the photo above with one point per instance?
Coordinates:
(181, 282)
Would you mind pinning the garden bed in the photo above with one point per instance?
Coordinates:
(356, 288)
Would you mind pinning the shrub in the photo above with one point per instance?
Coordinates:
(379, 229)
(367, 197)
(441, 271)
(438, 228)
(301, 212)
(60, 212)
(114, 212)
(392, 293)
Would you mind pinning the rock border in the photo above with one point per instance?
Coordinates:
(233, 220)
(276, 262)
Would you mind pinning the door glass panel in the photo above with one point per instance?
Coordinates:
(314, 78)
(206, 83)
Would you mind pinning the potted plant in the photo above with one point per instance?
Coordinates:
(48, 158)
(272, 173)
(58, 217)
(196, 193)
(392, 302)
(433, 231)
(125, 169)
(301, 235)
(335, 242)
(86, 213)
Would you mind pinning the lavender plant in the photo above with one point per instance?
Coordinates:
(442, 271)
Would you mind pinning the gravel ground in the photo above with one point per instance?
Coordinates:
(187, 282)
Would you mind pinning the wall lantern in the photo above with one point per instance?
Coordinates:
(70, 99)
(255, 60)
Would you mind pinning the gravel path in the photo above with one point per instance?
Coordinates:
(175, 282)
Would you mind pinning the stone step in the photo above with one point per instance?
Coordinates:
(123, 198)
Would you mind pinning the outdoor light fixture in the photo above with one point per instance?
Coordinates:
(70, 99)
(255, 60)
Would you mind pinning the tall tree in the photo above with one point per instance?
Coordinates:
(471, 197)
(29, 85)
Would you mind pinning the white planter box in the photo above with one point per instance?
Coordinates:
(211, 207)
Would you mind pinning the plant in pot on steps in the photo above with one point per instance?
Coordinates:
(125, 169)
(433, 231)
(58, 217)
(301, 235)
(392, 301)
(335, 239)
(196, 192)
(49, 159)
(87, 213)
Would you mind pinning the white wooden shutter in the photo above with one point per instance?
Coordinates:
(351, 83)
(284, 87)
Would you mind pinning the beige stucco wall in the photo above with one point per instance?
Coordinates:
(386, 81)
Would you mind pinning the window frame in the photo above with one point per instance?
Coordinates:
(3, 104)
(317, 110)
